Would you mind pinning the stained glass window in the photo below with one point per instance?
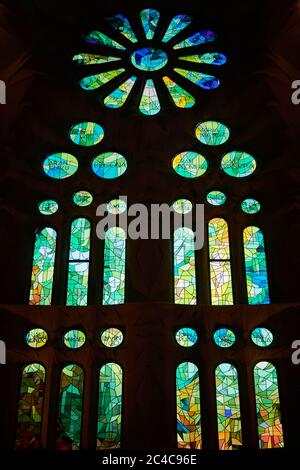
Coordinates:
(116, 206)
(70, 408)
(149, 103)
(36, 338)
(238, 164)
(269, 424)
(79, 256)
(188, 406)
(119, 96)
(109, 165)
(228, 408)
(112, 337)
(189, 164)
(196, 39)
(74, 339)
(93, 59)
(92, 82)
(82, 198)
(60, 165)
(184, 267)
(220, 267)
(216, 198)
(186, 337)
(208, 82)
(212, 133)
(224, 338)
(109, 407)
(182, 206)
(256, 266)
(250, 206)
(210, 58)
(86, 133)
(149, 59)
(121, 24)
(180, 97)
(114, 266)
(30, 409)
(262, 337)
(178, 23)
(48, 207)
(43, 267)
(149, 18)
(96, 37)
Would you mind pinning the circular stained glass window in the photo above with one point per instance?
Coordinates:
(149, 59)
(109, 165)
(48, 207)
(182, 206)
(224, 338)
(238, 164)
(112, 337)
(116, 206)
(36, 338)
(74, 339)
(212, 133)
(86, 134)
(189, 164)
(60, 165)
(262, 337)
(250, 206)
(186, 337)
(216, 198)
(82, 198)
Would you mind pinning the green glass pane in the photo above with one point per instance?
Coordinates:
(256, 266)
(210, 58)
(262, 337)
(149, 59)
(70, 408)
(112, 337)
(216, 198)
(184, 267)
(178, 23)
(116, 206)
(86, 133)
(36, 338)
(238, 164)
(74, 339)
(95, 81)
(149, 18)
(109, 407)
(92, 59)
(119, 96)
(79, 254)
(250, 206)
(189, 434)
(180, 97)
(270, 432)
(212, 133)
(95, 37)
(60, 165)
(182, 206)
(48, 207)
(82, 198)
(109, 165)
(224, 338)
(186, 337)
(208, 82)
(196, 39)
(114, 266)
(30, 408)
(228, 408)
(189, 164)
(149, 103)
(122, 25)
(43, 267)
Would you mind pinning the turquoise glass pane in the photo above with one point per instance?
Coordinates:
(184, 267)
(86, 133)
(82, 198)
(48, 207)
(92, 82)
(149, 18)
(114, 266)
(208, 82)
(36, 338)
(109, 165)
(79, 255)
(186, 337)
(262, 337)
(216, 198)
(212, 133)
(178, 23)
(149, 104)
(189, 164)
(121, 24)
(180, 97)
(112, 337)
(60, 165)
(96, 37)
(209, 58)
(224, 338)
(74, 339)
(196, 39)
(238, 164)
(118, 97)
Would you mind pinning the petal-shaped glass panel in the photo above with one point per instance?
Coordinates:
(92, 59)
(189, 164)
(250, 206)
(182, 206)
(186, 337)
(149, 18)
(74, 339)
(95, 81)
(149, 103)
(96, 37)
(118, 97)
(208, 82)
(196, 39)
(209, 58)
(116, 206)
(178, 23)
(262, 337)
(121, 24)
(180, 97)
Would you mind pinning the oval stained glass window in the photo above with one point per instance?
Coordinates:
(149, 59)
(216, 198)
(250, 206)
(36, 338)
(74, 339)
(224, 338)
(182, 206)
(109, 165)
(86, 133)
(112, 337)
(189, 164)
(60, 165)
(48, 207)
(238, 164)
(82, 198)
(186, 337)
(212, 133)
(116, 206)
(262, 337)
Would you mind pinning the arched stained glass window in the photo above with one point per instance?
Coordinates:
(79, 256)
(43, 267)
(114, 266)
(188, 406)
(256, 266)
(109, 407)
(228, 407)
(219, 260)
(70, 408)
(30, 409)
(184, 267)
(268, 413)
